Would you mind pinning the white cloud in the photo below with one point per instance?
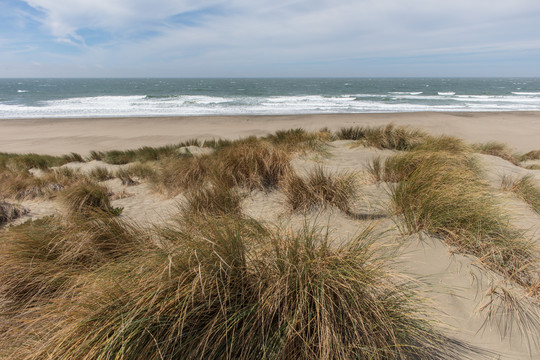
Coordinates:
(281, 33)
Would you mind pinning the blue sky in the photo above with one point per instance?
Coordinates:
(236, 38)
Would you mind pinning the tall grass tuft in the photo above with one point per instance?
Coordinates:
(252, 164)
(526, 188)
(531, 155)
(22, 185)
(85, 197)
(320, 189)
(213, 199)
(100, 173)
(384, 137)
(175, 175)
(299, 140)
(42, 258)
(445, 196)
(497, 149)
(235, 290)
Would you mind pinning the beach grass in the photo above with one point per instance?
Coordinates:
(497, 149)
(320, 188)
(232, 289)
(383, 137)
(526, 187)
(85, 197)
(531, 155)
(212, 283)
(444, 195)
(100, 173)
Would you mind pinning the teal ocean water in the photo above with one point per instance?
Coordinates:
(41, 98)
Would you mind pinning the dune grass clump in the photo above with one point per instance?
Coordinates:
(85, 197)
(22, 185)
(495, 148)
(100, 173)
(444, 195)
(235, 290)
(384, 137)
(73, 157)
(142, 154)
(36, 161)
(10, 211)
(400, 166)
(253, 164)
(175, 175)
(531, 155)
(213, 199)
(526, 188)
(43, 258)
(320, 189)
(446, 143)
(300, 140)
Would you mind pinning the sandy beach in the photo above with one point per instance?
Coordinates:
(520, 130)
(463, 292)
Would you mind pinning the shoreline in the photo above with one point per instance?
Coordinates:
(57, 136)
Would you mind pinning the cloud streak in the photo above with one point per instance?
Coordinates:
(268, 38)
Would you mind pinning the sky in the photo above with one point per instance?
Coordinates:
(269, 38)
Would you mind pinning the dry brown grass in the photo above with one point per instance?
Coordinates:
(320, 189)
(443, 194)
(252, 164)
(531, 155)
(175, 175)
(231, 289)
(85, 197)
(526, 187)
(384, 137)
(497, 149)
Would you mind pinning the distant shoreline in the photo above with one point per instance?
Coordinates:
(56, 136)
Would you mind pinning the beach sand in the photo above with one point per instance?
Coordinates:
(459, 284)
(520, 130)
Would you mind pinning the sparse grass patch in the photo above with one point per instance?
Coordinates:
(320, 189)
(28, 161)
(526, 188)
(497, 149)
(299, 140)
(384, 137)
(73, 157)
(22, 185)
(531, 155)
(136, 170)
(533, 167)
(230, 291)
(100, 173)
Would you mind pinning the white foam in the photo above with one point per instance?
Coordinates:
(103, 106)
(22, 91)
(533, 93)
(446, 93)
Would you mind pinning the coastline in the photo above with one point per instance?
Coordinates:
(56, 136)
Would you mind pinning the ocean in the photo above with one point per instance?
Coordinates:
(46, 98)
